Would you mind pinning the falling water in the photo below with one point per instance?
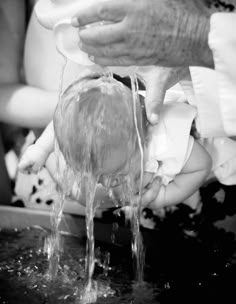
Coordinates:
(90, 291)
(52, 244)
(137, 243)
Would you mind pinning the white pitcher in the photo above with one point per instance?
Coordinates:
(56, 15)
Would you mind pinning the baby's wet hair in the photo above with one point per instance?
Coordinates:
(94, 125)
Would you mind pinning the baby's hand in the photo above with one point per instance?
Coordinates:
(32, 159)
(151, 191)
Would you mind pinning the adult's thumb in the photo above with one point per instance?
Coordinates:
(155, 94)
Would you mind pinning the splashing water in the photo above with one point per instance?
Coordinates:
(53, 243)
(90, 292)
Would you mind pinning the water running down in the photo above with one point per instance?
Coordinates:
(137, 245)
(90, 183)
(90, 292)
(52, 244)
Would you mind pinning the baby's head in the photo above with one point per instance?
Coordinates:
(95, 128)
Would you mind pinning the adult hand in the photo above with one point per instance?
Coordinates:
(146, 32)
(158, 80)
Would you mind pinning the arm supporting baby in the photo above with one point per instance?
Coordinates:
(37, 154)
(42, 153)
(40, 105)
(192, 176)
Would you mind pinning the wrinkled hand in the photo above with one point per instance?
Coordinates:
(145, 32)
(32, 159)
(158, 80)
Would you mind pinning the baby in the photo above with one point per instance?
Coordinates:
(94, 127)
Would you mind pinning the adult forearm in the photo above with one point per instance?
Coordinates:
(46, 140)
(190, 41)
(209, 6)
(148, 32)
(26, 106)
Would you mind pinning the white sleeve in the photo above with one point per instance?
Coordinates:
(170, 143)
(223, 154)
(222, 41)
(209, 121)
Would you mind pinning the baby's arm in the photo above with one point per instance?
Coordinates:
(193, 174)
(36, 155)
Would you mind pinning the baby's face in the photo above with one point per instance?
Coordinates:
(118, 164)
(133, 168)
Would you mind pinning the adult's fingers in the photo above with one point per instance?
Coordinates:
(112, 61)
(111, 10)
(109, 52)
(158, 80)
(155, 94)
(102, 34)
(122, 60)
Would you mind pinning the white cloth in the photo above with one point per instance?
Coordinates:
(170, 144)
(223, 154)
(214, 91)
(203, 92)
(222, 41)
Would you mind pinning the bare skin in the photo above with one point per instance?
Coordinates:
(146, 32)
(22, 104)
(158, 80)
(12, 21)
(151, 32)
